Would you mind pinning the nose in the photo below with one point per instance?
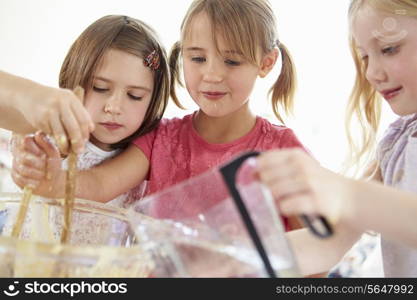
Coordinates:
(113, 104)
(375, 72)
(213, 72)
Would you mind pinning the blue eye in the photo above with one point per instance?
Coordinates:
(198, 59)
(232, 62)
(99, 90)
(390, 50)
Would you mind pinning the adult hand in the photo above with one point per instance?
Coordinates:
(26, 106)
(61, 114)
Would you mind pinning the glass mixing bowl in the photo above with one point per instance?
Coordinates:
(101, 242)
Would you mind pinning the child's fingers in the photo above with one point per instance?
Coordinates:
(298, 204)
(23, 181)
(53, 168)
(29, 146)
(270, 176)
(281, 158)
(288, 187)
(272, 159)
(30, 172)
(275, 164)
(16, 143)
(27, 164)
(53, 159)
(30, 160)
(46, 146)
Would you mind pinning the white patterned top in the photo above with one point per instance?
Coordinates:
(398, 161)
(95, 229)
(93, 156)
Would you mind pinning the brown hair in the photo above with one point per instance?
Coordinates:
(247, 25)
(125, 34)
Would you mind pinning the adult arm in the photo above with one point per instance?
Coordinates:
(26, 106)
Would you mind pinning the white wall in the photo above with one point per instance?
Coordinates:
(35, 36)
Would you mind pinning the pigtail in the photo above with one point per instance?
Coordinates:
(175, 74)
(283, 89)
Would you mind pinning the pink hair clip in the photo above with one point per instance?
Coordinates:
(152, 60)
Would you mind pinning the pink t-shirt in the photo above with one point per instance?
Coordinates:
(176, 152)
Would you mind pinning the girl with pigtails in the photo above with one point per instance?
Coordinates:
(224, 47)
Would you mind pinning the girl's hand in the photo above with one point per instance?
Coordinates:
(36, 164)
(302, 186)
(61, 114)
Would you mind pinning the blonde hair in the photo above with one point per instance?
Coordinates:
(364, 103)
(128, 35)
(246, 25)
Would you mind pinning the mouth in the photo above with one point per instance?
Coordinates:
(211, 95)
(111, 125)
(391, 93)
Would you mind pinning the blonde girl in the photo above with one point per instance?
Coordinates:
(384, 47)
